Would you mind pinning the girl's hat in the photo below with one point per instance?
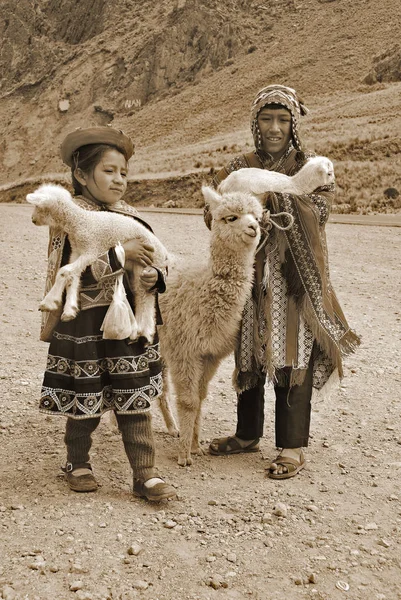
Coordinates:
(95, 135)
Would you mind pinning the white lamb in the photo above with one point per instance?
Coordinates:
(202, 310)
(91, 234)
(316, 172)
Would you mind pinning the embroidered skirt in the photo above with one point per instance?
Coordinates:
(86, 375)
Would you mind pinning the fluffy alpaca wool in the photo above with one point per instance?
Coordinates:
(202, 311)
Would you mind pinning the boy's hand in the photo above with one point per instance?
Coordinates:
(139, 252)
(149, 277)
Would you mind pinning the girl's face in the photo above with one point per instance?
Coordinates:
(275, 130)
(107, 182)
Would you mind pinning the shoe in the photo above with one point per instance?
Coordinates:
(80, 483)
(230, 445)
(160, 490)
(292, 465)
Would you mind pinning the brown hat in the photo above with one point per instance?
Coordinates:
(95, 135)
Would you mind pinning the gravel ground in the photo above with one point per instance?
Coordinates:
(332, 532)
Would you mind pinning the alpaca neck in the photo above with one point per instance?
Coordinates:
(230, 264)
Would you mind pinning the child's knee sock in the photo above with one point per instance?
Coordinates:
(137, 435)
(78, 439)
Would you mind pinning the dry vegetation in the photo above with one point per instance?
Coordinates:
(180, 77)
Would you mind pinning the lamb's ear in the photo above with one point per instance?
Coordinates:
(211, 197)
(34, 199)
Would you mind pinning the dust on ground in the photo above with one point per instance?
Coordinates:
(338, 525)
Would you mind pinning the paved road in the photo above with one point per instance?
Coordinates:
(383, 220)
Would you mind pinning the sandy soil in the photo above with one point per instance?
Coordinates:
(339, 532)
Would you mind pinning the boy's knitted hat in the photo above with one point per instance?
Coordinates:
(282, 96)
(95, 135)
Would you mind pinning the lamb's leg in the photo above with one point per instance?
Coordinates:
(145, 312)
(54, 297)
(71, 307)
(209, 369)
(145, 308)
(165, 406)
(73, 278)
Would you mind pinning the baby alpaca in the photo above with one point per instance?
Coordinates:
(202, 310)
(316, 172)
(91, 234)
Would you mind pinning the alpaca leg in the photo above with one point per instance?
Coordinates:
(187, 405)
(165, 406)
(209, 369)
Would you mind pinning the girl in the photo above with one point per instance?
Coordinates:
(87, 375)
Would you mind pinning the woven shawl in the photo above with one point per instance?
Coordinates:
(305, 268)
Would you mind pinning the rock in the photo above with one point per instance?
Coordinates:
(8, 593)
(170, 524)
(384, 543)
(280, 509)
(78, 569)
(76, 585)
(216, 582)
(134, 549)
(81, 595)
(140, 585)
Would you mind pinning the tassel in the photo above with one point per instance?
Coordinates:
(119, 322)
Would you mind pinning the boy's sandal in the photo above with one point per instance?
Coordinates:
(293, 467)
(85, 482)
(230, 445)
(154, 493)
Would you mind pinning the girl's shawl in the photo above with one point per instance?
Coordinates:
(305, 268)
(56, 257)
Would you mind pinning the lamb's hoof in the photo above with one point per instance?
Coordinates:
(69, 315)
(147, 332)
(184, 461)
(49, 305)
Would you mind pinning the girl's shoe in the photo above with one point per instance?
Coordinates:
(78, 477)
(153, 489)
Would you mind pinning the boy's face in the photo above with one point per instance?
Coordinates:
(275, 129)
(108, 180)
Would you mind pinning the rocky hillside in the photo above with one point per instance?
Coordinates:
(179, 75)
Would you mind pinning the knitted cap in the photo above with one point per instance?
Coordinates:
(282, 96)
(95, 135)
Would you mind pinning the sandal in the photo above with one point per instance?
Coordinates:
(153, 493)
(230, 445)
(80, 483)
(293, 466)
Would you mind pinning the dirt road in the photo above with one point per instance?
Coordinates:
(339, 532)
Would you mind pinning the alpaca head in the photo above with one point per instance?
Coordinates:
(235, 217)
(49, 203)
(320, 171)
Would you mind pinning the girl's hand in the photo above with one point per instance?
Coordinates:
(149, 277)
(139, 252)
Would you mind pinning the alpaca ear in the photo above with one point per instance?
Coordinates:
(211, 197)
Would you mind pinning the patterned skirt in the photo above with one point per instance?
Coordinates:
(86, 375)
